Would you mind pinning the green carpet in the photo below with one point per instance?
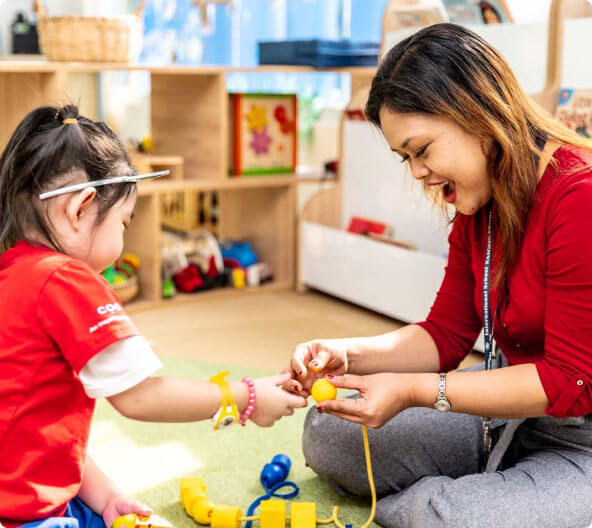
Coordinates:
(147, 460)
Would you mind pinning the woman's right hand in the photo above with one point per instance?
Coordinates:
(315, 359)
(272, 402)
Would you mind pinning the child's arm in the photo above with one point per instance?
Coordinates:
(168, 399)
(101, 495)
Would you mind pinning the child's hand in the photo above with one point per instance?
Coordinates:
(121, 505)
(272, 402)
(313, 360)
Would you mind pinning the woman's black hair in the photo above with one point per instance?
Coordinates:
(41, 151)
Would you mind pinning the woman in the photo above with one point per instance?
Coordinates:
(520, 266)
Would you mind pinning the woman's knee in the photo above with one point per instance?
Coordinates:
(333, 448)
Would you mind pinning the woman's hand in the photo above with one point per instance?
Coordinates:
(315, 359)
(382, 396)
(120, 505)
(272, 402)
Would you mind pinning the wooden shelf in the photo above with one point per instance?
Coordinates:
(189, 121)
(246, 182)
(12, 63)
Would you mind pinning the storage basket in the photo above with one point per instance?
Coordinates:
(90, 39)
(127, 289)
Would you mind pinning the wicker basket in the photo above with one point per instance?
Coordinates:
(90, 39)
(127, 289)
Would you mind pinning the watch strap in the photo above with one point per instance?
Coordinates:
(227, 404)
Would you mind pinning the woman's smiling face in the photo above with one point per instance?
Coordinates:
(441, 153)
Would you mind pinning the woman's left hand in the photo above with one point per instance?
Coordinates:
(382, 396)
(120, 505)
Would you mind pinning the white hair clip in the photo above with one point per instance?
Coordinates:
(97, 183)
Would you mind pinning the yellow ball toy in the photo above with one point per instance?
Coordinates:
(323, 390)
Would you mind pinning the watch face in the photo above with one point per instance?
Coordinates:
(442, 405)
(227, 421)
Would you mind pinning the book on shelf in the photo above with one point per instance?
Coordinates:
(574, 110)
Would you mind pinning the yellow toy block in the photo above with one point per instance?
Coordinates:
(303, 515)
(190, 496)
(224, 516)
(131, 520)
(273, 514)
(202, 510)
(191, 483)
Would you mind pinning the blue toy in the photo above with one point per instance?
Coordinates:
(241, 252)
(273, 477)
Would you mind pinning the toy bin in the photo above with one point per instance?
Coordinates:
(263, 134)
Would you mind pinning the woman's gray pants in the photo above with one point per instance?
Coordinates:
(427, 469)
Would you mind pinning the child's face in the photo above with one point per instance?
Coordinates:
(106, 239)
(98, 244)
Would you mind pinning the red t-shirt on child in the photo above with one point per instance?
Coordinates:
(56, 314)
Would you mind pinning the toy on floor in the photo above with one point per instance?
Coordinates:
(272, 512)
(273, 478)
(131, 520)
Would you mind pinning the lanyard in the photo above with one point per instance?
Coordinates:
(490, 353)
(487, 324)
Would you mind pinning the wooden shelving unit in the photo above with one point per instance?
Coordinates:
(189, 120)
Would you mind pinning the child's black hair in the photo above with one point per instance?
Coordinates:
(42, 150)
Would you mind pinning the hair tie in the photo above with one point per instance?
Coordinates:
(70, 120)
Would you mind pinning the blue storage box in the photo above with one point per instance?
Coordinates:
(319, 53)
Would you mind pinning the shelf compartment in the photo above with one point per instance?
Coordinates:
(187, 118)
(267, 219)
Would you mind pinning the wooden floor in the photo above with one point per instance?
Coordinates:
(255, 330)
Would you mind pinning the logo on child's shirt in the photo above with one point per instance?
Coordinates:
(106, 309)
(109, 308)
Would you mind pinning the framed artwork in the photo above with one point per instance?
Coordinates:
(574, 110)
(404, 15)
(263, 134)
(467, 12)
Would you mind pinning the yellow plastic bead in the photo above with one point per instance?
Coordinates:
(202, 510)
(273, 514)
(323, 390)
(125, 521)
(191, 496)
(187, 484)
(225, 516)
(303, 515)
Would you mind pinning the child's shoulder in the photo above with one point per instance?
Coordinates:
(31, 261)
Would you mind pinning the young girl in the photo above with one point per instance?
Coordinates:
(65, 339)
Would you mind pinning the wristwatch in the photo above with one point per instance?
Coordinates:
(442, 404)
(227, 414)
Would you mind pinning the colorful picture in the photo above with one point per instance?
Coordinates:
(263, 134)
(574, 109)
(411, 16)
(477, 11)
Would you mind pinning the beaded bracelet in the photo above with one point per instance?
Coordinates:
(250, 402)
